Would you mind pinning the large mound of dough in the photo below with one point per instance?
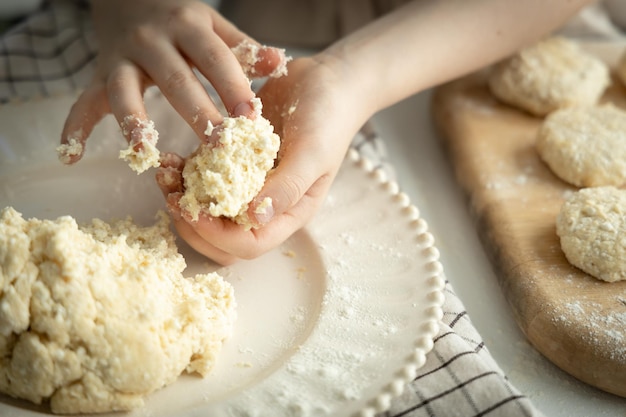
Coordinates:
(95, 317)
(222, 178)
(552, 74)
(592, 226)
(585, 146)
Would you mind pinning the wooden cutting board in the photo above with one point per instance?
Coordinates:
(575, 320)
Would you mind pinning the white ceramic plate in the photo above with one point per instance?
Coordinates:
(334, 322)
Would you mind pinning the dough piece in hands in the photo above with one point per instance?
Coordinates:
(585, 146)
(221, 178)
(552, 74)
(95, 317)
(592, 226)
(142, 153)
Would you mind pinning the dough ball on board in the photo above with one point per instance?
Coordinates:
(585, 146)
(592, 229)
(552, 74)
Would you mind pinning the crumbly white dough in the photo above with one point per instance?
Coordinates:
(585, 146)
(69, 150)
(552, 74)
(222, 178)
(142, 153)
(592, 229)
(95, 317)
(247, 53)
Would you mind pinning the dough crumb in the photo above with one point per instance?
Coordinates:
(221, 178)
(73, 148)
(591, 226)
(552, 74)
(95, 317)
(247, 53)
(142, 153)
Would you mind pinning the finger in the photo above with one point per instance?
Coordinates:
(229, 237)
(188, 233)
(169, 180)
(172, 160)
(202, 246)
(90, 107)
(125, 88)
(260, 61)
(232, 238)
(271, 62)
(256, 59)
(165, 66)
(286, 185)
(215, 60)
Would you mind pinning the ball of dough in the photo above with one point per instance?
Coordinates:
(222, 178)
(552, 74)
(95, 317)
(592, 229)
(585, 146)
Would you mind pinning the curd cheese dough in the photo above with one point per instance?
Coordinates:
(592, 229)
(142, 153)
(72, 149)
(585, 146)
(247, 53)
(552, 74)
(95, 317)
(221, 178)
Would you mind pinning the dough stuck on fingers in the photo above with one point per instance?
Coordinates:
(221, 178)
(247, 53)
(585, 146)
(142, 153)
(591, 226)
(71, 150)
(95, 317)
(550, 75)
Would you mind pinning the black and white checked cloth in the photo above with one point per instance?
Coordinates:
(52, 51)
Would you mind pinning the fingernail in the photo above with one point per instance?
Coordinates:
(264, 211)
(244, 109)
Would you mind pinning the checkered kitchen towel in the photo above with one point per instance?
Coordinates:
(52, 52)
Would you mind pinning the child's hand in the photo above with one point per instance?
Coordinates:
(147, 42)
(316, 116)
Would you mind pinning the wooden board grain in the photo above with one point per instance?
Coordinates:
(575, 320)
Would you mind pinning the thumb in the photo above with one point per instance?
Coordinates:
(295, 188)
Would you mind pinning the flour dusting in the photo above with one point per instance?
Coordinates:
(600, 326)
